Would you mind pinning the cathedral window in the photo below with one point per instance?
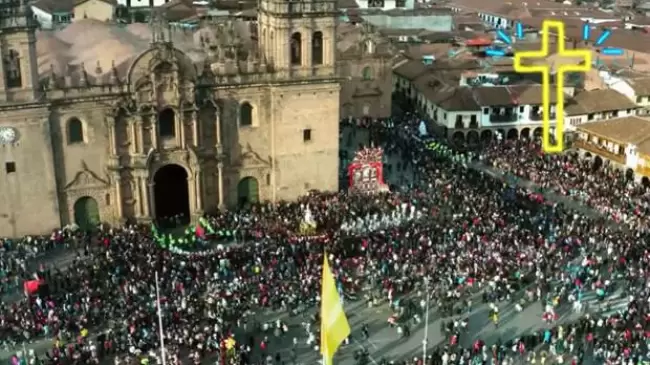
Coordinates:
(296, 49)
(245, 115)
(366, 74)
(317, 48)
(167, 123)
(75, 131)
(11, 64)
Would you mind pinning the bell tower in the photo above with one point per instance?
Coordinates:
(19, 67)
(298, 36)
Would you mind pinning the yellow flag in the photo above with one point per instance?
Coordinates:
(334, 325)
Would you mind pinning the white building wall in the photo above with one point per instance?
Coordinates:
(44, 18)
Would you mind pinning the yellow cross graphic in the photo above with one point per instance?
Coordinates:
(545, 70)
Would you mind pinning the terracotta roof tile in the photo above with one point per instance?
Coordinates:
(632, 130)
(597, 101)
(493, 96)
(411, 70)
(641, 86)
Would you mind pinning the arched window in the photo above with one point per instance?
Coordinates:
(317, 48)
(245, 115)
(75, 131)
(167, 123)
(366, 74)
(296, 49)
(11, 63)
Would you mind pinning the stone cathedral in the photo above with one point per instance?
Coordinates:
(107, 123)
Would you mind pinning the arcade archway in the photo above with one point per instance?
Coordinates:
(171, 194)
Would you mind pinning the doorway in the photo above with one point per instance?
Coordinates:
(248, 191)
(86, 213)
(171, 195)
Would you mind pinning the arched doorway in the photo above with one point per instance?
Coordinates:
(458, 137)
(513, 134)
(538, 132)
(248, 191)
(86, 213)
(629, 174)
(171, 194)
(472, 137)
(486, 136)
(525, 133)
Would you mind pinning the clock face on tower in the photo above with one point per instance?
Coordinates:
(7, 135)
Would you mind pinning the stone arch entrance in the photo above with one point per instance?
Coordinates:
(171, 195)
(248, 191)
(458, 137)
(538, 132)
(525, 133)
(473, 137)
(513, 133)
(486, 136)
(86, 213)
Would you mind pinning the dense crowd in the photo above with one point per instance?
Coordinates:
(590, 180)
(466, 233)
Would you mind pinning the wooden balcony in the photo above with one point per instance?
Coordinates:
(599, 151)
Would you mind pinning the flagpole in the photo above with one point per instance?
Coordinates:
(160, 323)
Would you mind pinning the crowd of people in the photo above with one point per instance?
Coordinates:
(456, 227)
(588, 179)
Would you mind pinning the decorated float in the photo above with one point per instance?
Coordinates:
(366, 172)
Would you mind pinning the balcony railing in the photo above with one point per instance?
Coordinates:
(599, 151)
(538, 116)
(503, 118)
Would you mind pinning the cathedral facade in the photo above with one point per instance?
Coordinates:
(178, 123)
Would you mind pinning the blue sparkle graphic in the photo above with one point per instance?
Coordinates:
(602, 38)
(507, 39)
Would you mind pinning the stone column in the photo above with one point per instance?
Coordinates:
(217, 124)
(220, 184)
(111, 137)
(118, 196)
(192, 193)
(180, 125)
(145, 197)
(306, 47)
(195, 129)
(138, 195)
(154, 132)
(132, 141)
(138, 136)
(152, 200)
(198, 187)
